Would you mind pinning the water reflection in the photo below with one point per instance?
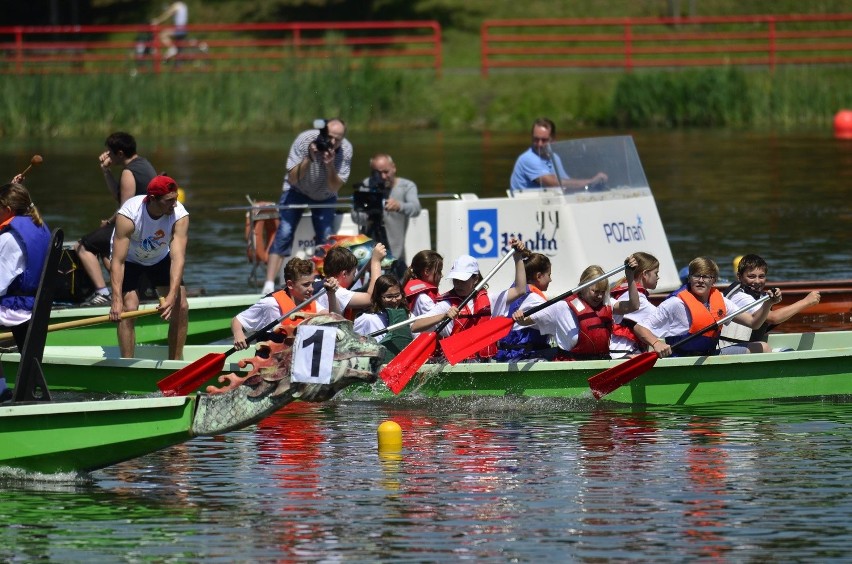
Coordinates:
(485, 478)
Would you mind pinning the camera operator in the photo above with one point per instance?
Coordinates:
(400, 204)
(317, 167)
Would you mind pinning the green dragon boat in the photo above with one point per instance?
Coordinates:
(48, 437)
(209, 320)
(811, 365)
(42, 435)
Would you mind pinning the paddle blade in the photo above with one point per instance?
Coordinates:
(399, 371)
(190, 377)
(467, 343)
(617, 376)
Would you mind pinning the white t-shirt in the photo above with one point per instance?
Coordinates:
(367, 323)
(672, 317)
(12, 264)
(423, 305)
(558, 321)
(149, 242)
(260, 314)
(621, 346)
(343, 296)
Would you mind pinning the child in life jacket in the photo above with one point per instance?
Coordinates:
(465, 276)
(386, 308)
(581, 325)
(624, 341)
(420, 284)
(524, 343)
(340, 267)
(751, 282)
(695, 308)
(299, 280)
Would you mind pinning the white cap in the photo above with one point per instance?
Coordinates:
(463, 268)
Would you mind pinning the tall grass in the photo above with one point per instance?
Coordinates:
(372, 99)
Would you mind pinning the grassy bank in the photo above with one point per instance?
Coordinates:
(67, 106)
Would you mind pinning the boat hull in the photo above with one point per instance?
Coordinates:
(94, 369)
(209, 320)
(83, 436)
(819, 367)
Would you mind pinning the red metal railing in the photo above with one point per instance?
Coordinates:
(272, 47)
(630, 43)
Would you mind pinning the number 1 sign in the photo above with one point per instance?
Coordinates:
(313, 354)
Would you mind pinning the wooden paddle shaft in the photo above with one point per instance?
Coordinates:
(87, 322)
(573, 291)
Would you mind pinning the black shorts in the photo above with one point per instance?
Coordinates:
(137, 276)
(98, 241)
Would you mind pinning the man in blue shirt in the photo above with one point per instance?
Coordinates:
(535, 167)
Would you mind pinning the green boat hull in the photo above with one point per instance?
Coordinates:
(820, 365)
(95, 369)
(77, 437)
(209, 320)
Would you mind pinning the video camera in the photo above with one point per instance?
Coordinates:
(323, 142)
(370, 198)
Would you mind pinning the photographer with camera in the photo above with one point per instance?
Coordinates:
(317, 167)
(383, 204)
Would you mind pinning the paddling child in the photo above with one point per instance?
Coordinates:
(695, 308)
(465, 276)
(624, 341)
(420, 283)
(528, 342)
(581, 325)
(339, 267)
(387, 307)
(749, 287)
(299, 280)
(24, 246)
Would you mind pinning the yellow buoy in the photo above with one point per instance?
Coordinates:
(390, 436)
(737, 260)
(181, 195)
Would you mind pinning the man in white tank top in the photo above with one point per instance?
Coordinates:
(150, 239)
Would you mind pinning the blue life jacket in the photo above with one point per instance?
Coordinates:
(524, 343)
(35, 243)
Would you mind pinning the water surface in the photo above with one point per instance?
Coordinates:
(720, 194)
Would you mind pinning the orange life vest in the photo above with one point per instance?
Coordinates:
(286, 303)
(481, 313)
(701, 315)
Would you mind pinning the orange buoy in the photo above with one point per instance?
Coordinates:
(843, 124)
(263, 232)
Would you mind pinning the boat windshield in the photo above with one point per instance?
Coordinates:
(615, 156)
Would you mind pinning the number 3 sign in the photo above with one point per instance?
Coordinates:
(313, 354)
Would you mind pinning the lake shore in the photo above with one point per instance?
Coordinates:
(64, 106)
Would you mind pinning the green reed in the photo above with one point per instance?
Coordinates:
(379, 99)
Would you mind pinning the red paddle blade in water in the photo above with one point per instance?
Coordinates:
(191, 377)
(617, 376)
(399, 371)
(467, 343)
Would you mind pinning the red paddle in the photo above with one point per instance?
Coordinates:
(191, 376)
(617, 376)
(463, 345)
(399, 371)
